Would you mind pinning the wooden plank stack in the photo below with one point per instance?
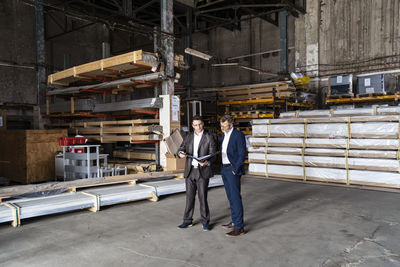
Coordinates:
(256, 91)
(126, 65)
(358, 150)
(117, 131)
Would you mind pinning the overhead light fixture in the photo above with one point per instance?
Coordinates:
(196, 53)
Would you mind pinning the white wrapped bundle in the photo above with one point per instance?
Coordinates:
(375, 130)
(329, 130)
(353, 112)
(374, 178)
(296, 172)
(282, 142)
(384, 144)
(388, 111)
(378, 154)
(330, 162)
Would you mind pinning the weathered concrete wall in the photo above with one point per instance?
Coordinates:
(255, 36)
(17, 85)
(17, 45)
(354, 36)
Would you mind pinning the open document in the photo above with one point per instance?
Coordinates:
(203, 158)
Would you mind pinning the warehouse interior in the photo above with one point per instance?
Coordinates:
(97, 96)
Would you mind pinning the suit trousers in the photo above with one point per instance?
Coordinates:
(232, 189)
(194, 182)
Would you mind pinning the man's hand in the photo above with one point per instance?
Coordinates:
(204, 163)
(182, 154)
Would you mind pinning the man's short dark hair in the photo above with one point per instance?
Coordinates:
(197, 118)
(226, 117)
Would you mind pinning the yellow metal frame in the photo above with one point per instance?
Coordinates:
(251, 102)
(395, 97)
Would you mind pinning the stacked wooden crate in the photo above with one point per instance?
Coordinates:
(28, 156)
(361, 150)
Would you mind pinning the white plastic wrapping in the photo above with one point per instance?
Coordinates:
(375, 178)
(330, 162)
(289, 130)
(329, 130)
(377, 144)
(282, 142)
(388, 111)
(353, 112)
(375, 130)
(355, 153)
(342, 112)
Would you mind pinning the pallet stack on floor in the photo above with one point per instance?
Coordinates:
(348, 147)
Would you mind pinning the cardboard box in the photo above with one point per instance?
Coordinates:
(174, 164)
(3, 120)
(173, 142)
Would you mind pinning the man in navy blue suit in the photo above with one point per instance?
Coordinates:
(233, 153)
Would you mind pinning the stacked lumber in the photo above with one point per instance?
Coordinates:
(117, 131)
(256, 91)
(359, 150)
(126, 65)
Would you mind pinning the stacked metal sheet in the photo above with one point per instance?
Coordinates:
(91, 198)
(352, 150)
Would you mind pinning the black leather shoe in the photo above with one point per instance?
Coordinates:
(206, 227)
(185, 225)
(227, 226)
(235, 232)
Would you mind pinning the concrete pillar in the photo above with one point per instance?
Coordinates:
(283, 27)
(312, 21)
(167, 45)
(189, 29)
(41, 79)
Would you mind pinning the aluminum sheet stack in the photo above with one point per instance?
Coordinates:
(91, 198)
(362, 150)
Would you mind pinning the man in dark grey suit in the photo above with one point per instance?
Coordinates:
(197, 174)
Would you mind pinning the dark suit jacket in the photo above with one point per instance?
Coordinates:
(236, 150)
(207, 146)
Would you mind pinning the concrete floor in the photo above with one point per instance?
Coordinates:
(288, 224)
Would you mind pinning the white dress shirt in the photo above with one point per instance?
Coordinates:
(196, 142)
(225, 143)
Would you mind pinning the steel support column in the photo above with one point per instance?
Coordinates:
(40, 58)
(167, 45)
(283, 27)
(189, 29)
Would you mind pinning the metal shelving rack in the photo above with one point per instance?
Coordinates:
(79, 165)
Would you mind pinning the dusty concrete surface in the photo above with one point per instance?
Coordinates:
(288, 224)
